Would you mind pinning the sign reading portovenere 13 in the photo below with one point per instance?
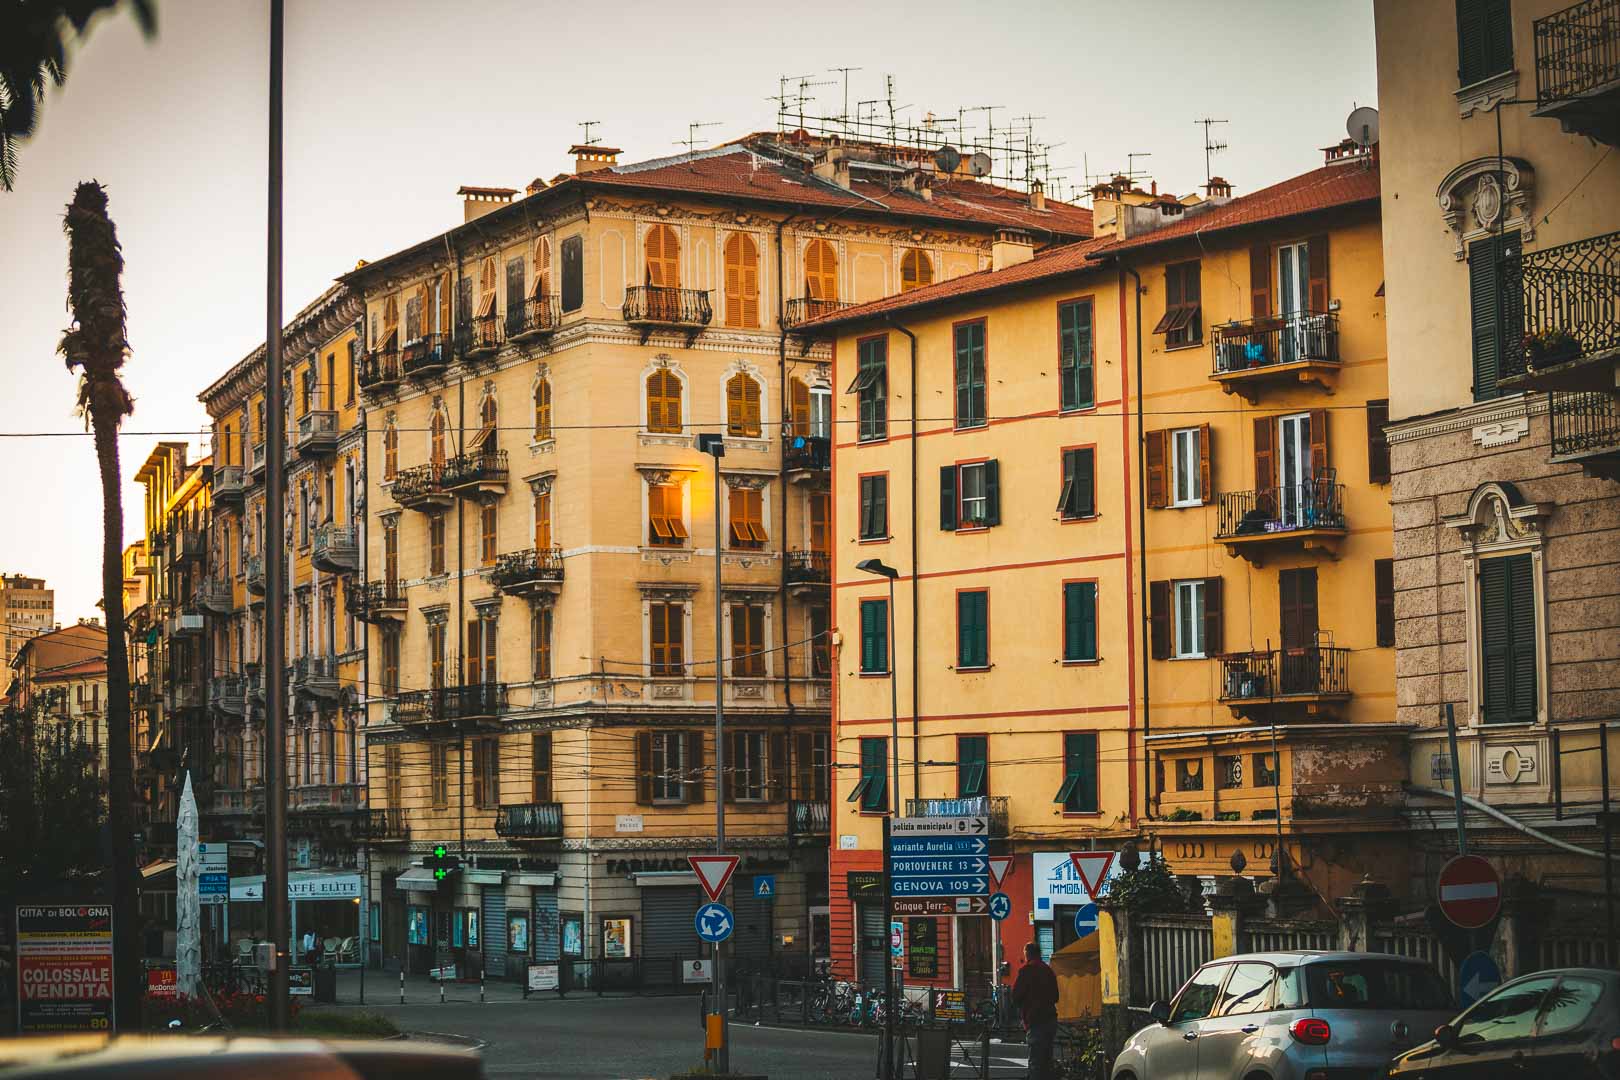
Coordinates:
(64, 968)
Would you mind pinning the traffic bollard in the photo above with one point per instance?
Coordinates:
(441, 991)
(402, 984)
(480, 986)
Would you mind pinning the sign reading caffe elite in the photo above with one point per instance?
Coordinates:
(64, 968)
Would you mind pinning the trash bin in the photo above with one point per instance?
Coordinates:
(325, 977)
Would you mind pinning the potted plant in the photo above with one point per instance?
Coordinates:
(1544, 348)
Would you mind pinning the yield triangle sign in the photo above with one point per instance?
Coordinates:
(1092, 866)
(1000, 867)
(713, 872)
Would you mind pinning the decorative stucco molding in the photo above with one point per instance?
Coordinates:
(1487, 195)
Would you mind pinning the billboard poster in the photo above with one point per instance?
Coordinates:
(64, 968)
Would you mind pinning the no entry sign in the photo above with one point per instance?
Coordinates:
(1470, 892)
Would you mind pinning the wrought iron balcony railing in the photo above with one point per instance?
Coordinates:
(422, 486)
(1577, 50)
(530, 821)
(1311, 671)
(1584, 424)
(227, 485)
(379, 371)
(451, 704)
(538, 315)
(215, 596)
(657, 305)
(803, 309)
(227, 693)
(315, 675)
(187, 542)
(1318, 503)
(809, 568)
(477, 470)
(479, 338)
(521, 572)
(1276, 339)
(387, 823)
(808, 452)
(255, 574)
(328, 797)
(809, 817)
(317, 433)
(424, 357)
(336, 549)
(1570, 298)
(375, 601)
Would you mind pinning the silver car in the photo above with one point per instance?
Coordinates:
(1289, 1016)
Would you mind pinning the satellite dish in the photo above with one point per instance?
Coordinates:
(979, 164)
(1363, 126)
(947, 158)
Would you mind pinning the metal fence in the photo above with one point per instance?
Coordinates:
(1173, 946)
(1577, 49)
(1583, 423)
(1266, 935)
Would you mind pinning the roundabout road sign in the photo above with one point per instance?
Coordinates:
(713, 923)
(1000, 906)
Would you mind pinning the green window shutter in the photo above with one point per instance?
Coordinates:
(1085, 790)
(1522, 637)
(947, 498)
(874, 634)
(1508, 638)
(1484, 39)
(1080, 620)
(1494, 308)
(1085, 482)
(972, 631)
(1075, 366)
(972, 757)
(992, 492)
(874, 773)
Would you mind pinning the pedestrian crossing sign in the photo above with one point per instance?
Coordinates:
(765, 886)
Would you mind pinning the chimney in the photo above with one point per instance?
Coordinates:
(536, 186)
(834, 166)
(1011, 247)
(1037, 196)
(589, 158)
(478, 201)
(1218, 190)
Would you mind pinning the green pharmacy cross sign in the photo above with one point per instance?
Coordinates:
(442, 863)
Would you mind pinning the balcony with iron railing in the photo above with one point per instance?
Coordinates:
(1311, 682)
(1277, 351)
(379, 372)
(227, 694)
(239, 800)
(215, 596)
(227, 485)
(1569, 301)
(479, 338)
(809, 818)
(423, 488)
(808, 571)
(184, 695)
(326, 798)
(1578, 69)
(658, 307)
(991, 808)
(185, 621)
(186, 543)
(316, 676)
(463, 705)
(535, 317)
(807, 459)
(530, 821)
(336, 549)
(803, 309)
(375, 601)
(317, 434)
(1308, 516)
(255, 574)
(524, 573)
(425, 357)
(1586, 431)
(387, 823)
(253, 684)
(476, 475)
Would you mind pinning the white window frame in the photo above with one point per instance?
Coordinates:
(1188, 594)
(821, 412)
(965, 520)
(1186, 467)
(660, 765)
(750, 771)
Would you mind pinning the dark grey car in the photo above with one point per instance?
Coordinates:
(1289, 1016)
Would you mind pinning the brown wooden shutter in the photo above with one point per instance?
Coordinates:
(820, 271)
(1318, 296)
(644, 768)
(1260, 280)
(1206, 442)
(1155, 460)
(663, 257)
(697, 783)
(1319, 442)
(800, 408)
(778, 790)
(1377, 442)
(1384, 601)
(1214, 639)
(736, 411)
(1159, 619)
(1265, 462)
(474, 657)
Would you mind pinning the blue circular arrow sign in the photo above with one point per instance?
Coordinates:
(1000, 906)
(713, 922)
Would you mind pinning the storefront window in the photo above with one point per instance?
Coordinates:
(517, 929)
(573, 935)
(417, 926)
(376, 921)
(616, 939)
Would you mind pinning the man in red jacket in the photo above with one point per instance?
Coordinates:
(1035, 992)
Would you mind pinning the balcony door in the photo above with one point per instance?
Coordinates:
(1293, 298)
(1294, 469)
(1299, 669)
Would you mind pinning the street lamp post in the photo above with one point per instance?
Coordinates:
(715, 447)
(881, 569)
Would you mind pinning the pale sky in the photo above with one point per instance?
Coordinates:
(391, 106)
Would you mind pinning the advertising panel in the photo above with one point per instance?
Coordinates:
(64, 968)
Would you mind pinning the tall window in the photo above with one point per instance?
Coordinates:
(354, 349)
(540, 767)
(875, 507)
(1078, 497)
(669, 766)
(436, 543)
(742, 280)
(820, 642)
(742, 407)
(1079, 621)
(1484, 39)
(1187, 466)
(487, 522)
(390, 660)
(542, 523)
(1507, 624)
(542, 268)
(486, 770)
(666, 524)
(747, 767)
(973, 629)
(391, 552)
(573, 273)
(747, 518)
(811, 761)
(1078, 795)
(916, 270)
(871, 386)
(1076, 386)
(663, 266)
(1189, 628)
(972, 766)
(542, 409)
(820, 270)
(1183, 322)
(540, 637)
(970, 495)
(970, 407)
(664, 402)
(390, 451)
(874, 637)
(1494, 306)
(487, 277)
(436, 451)
(438, 639)
(820, 515)
(748, 640)
(439, 775)
(393, 775)
(1384, 602)
(871, 792)
(667, 636)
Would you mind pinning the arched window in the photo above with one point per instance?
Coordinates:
(390, 451)
(916, 270)
(390, 319)
(436, 441)
(663, 257)
(542, 521)
(664, 402)
(742, 406)
(542, 267)
(542, 409)
(742, 281)
(820, 271)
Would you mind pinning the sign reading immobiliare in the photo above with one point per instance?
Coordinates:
(64, 968)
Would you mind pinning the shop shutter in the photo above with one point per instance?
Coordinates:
(667, 935)
(544, 935)
(751, 941)
(873, 944)
(492, 932)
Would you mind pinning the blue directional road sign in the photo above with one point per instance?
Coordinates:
(938, 845)
(1085, 920)
(1000, 906)
(930, 866)
(765, 886)
(1477, 977)
(713, 922)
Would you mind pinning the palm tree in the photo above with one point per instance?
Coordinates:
(33, 54)
(96, 346)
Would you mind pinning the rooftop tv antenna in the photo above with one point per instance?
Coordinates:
(587, 125)
(1210, 147)
(1130, 164)
(844, 71)
(806, 84)
(691, 140)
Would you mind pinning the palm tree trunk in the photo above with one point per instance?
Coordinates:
(127, 987)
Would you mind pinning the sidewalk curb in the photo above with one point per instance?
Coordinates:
(467, 1041)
